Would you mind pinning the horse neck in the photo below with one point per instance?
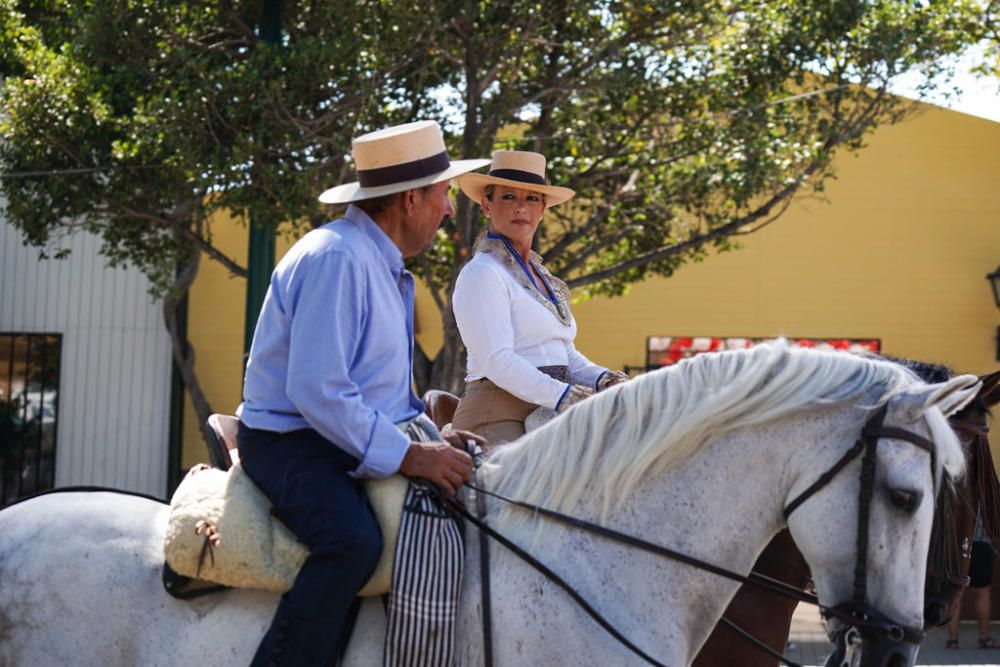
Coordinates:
(707, 507)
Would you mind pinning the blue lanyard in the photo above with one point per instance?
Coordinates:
(517, 256)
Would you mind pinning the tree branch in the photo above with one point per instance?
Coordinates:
(195, 239)
(181, 350)
(692, 243)
(428, 272)
(852, 129)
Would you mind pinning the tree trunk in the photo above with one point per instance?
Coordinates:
(422, 367)
(183, 353)
(448, 369)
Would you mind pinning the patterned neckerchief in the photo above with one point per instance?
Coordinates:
(559, 304)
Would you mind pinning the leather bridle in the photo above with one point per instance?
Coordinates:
(856, 613)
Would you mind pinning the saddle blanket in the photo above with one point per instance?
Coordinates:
(256, 550)
(422, 542)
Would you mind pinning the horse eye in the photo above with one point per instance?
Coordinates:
(908, 501)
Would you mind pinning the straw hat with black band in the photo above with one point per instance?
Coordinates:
(397, 159)
(516, 169)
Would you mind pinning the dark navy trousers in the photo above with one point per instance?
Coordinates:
(306, 478)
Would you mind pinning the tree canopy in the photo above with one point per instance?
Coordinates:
(991, 37)
(681, 125)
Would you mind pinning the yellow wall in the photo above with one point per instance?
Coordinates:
(899, 252)
(216, 311)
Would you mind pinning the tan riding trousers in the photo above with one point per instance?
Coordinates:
(489, 411)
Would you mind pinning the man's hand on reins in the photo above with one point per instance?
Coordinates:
(439, 463)
(461, 439)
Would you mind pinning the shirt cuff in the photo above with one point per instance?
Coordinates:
(598, 380)
(561, 397)
(386, 448)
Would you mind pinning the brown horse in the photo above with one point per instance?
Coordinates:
(767, 616)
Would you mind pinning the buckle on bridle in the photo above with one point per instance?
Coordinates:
(870, 624)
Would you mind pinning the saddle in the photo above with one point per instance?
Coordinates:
(221, 528)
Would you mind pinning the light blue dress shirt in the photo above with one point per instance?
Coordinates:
(333, 347)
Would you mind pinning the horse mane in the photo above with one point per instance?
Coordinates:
(607, 444)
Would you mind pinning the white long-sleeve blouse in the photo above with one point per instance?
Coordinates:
(510, 332)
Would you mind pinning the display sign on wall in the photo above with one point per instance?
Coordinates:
(668, 350)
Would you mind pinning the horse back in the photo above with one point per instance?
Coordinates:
(80, 585)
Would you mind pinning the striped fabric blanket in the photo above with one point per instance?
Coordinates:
(421, 618)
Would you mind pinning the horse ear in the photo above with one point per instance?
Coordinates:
(949, 397)
(990, 393)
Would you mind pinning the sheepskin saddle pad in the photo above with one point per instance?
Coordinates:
(221, 529)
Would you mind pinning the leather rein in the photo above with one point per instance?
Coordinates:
(856, 613)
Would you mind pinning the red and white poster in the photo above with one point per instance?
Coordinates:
(668, 350)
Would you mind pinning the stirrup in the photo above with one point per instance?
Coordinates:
(186, 588)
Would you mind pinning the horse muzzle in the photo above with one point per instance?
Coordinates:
(873, 640)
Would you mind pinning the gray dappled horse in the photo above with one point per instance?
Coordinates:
(704, 457)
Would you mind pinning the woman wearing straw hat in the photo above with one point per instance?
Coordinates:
(512, 313)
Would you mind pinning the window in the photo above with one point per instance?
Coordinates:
(29, 400)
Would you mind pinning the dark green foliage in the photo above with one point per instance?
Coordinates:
(681, 124)
(142, 117)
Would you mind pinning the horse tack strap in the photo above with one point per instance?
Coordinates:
(895, 433)
(867, 492)
(754, 578)
(551, 575)
(872, 432)
(825, 478)
(857, 611)
(761, 646)
(484, 582)
(968, 428)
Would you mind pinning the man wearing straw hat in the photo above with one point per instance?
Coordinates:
(329, 379)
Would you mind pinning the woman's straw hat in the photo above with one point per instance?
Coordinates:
(518, 169)
(396, 159)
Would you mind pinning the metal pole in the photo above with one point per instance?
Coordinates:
(260, 250)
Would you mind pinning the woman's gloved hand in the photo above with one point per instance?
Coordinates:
(610, 379)
(575, 394)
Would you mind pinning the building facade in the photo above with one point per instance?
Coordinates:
(85, 373)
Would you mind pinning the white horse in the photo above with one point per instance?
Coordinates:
(701, 457)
